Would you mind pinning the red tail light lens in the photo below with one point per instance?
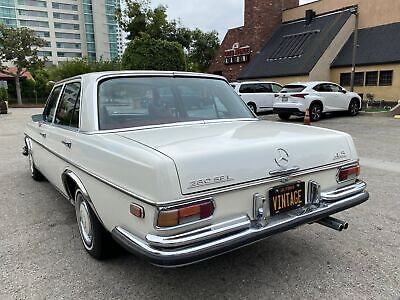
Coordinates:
(185, 214)
(300, 95)
(348, 173)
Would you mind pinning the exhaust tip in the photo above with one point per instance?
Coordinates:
(345, 225)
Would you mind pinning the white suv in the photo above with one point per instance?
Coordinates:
(319, 97)
(258, 95)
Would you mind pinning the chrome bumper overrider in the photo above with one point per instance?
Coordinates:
(216, 239)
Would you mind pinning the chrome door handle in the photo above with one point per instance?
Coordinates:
(67, 143)
(43, 134)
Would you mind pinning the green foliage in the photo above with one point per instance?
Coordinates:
(80, 66)
(3, 94)
(202, 49)
(20, 46)
(146, 53)
(139, 18)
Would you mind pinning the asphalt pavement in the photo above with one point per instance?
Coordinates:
(41, 255)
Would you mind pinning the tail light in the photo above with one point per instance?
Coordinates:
(348, 173)
(300, 95)
(185, 214)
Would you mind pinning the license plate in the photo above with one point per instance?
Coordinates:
(286, 197)
(285, 99)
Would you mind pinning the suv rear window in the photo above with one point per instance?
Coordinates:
(292, 88)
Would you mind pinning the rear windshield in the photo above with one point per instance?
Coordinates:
(135, 101)
(292, 88)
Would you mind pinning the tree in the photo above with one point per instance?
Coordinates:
(19, 46)
(147, 53)
(139, 18)
(202, 50)
(80, 66)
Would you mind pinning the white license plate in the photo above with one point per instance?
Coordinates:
(285, 99)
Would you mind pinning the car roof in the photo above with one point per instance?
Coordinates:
(309, 83)
(99, 75)
(252, 82)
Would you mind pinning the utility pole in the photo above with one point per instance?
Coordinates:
(354, 11)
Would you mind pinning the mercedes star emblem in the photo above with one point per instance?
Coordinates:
(282, 158)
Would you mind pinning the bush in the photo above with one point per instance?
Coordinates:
(146, 53)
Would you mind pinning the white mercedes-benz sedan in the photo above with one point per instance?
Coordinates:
(177, 169)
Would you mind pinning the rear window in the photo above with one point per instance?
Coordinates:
(292, 88)
(133, 101)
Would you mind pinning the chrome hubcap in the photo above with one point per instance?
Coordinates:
(85, 224)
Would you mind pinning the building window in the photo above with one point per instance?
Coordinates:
(32, 13)
(345, 79)
(37, 3)
(386, 78)
(44, 53)
(7, 12)
(65, 16)
(68, 45)
(359, 78)
(31, 23)
(69, 54)
(42, 33)
(69, 36)
(66, 26)
(65, 6)
(371, 78)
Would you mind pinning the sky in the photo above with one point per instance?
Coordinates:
(219, 15)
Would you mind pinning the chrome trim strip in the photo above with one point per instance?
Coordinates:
(198, 235)
(168, 125)
(201, 251)
(284, 172)
(197, 195)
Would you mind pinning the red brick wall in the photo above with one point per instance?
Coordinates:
(261, 18)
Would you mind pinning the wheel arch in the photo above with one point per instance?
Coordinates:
(72, 182)
(317, 101)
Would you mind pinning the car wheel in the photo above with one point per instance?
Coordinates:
(35, 173)
(95, 238)
(315, 112)
(253, 107)
(353, 108)
(284, 117)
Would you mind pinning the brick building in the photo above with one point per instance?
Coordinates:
(261, 18)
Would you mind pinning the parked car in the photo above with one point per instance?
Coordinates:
(319, 97)
(258, 95)
(178, 183)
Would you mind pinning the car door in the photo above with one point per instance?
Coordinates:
(329, 98)
(64, 128)
(341, 99)
(42, 156)
(247, 92)
(264, 96)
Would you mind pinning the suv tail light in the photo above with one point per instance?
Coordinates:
(185, 214)
(348, 173)
(300, 95)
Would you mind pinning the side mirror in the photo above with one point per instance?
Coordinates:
(344, 91)
(37, 118)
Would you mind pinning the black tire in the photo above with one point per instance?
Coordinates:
(253, 107)
(35, 173)
(315, 112)
(96, 240)
(354, 107)
(284, 117)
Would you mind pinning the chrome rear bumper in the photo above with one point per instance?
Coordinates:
(226, 236)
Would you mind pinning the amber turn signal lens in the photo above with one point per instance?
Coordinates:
(348, 173)
(168, 218)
